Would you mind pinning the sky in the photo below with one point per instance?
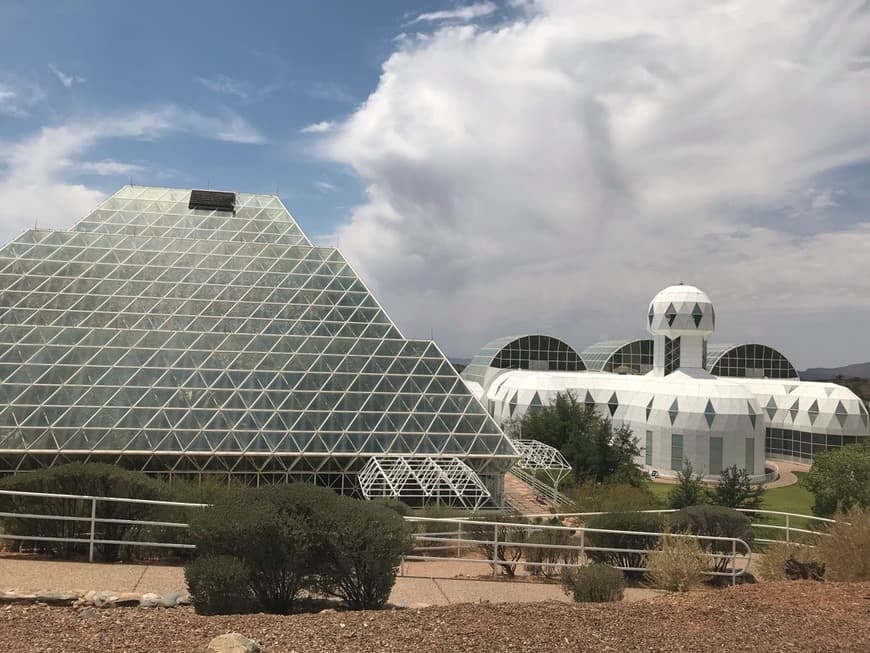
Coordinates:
(489, 167)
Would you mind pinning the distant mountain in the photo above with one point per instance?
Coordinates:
(853, 371)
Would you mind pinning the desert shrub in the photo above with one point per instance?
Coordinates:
(595, 583)
(846, 549)
(91, 479)
(624, 521)
(275, 531)
(612, 497)
(449, 529)
(772, 563)
(678, 566)
(550, 559)
(716, 521)
(362, 549)
(502, 557)
(399, 507)
(219, 584)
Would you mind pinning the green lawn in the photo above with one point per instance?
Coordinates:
(792, 498)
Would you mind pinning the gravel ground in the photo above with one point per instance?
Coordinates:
(787, 616)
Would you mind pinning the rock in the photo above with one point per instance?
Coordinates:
(56, 598)
(150, 600)
(89, 613)
(102, 598)
(126, 600)
(233, 643)
(170, 599)
(17, 597)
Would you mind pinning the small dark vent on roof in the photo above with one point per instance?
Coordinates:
(212, 200)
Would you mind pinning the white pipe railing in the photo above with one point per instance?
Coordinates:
(92, 540)
(738, 561)
(431, 542)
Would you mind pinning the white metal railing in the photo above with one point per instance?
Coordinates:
(91, 540)
(452, 535)
(548, 492)
(575, 553)
(787, 517)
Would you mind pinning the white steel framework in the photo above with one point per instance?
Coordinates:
(535, 456)
(421, 480)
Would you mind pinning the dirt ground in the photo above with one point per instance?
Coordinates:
(785, 616)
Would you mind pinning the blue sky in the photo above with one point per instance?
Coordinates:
(280, 66)
(490, 167)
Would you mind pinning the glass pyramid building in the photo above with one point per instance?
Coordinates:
(189, 333)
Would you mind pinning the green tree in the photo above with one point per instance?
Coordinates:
(596, 451)
(689, 490)
(735, 491)
(840, 479)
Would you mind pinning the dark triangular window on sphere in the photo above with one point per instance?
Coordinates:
(793, 411)
(697, 314)
(709, 413)
(813, 412)
(673, 411)
(771, 408)
(613, 404)
(589, 401)
(671, 314)
(841, 414)
(649, 408)
(650, 316)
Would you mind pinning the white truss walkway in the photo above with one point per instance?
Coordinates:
(423, 479)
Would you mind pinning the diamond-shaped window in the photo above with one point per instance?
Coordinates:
(709, 413)
(841, 414)
(752, 414)
(673, 411)
(697, 314)
(649, 407)
(589, 401)
(771, 408)
(671, 314)
(813, 412)
(793, 411)
(651, 315)
(613, 404)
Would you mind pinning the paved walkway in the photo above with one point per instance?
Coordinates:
(522, 497)
(426, 586)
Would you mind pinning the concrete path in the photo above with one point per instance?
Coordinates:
(522, 497)
(786, 473)
(422, 589)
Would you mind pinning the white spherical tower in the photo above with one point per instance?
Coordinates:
(680, 319)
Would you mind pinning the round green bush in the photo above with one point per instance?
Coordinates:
(219, 584)
(650, 522)
(595, 583)
(717, 521)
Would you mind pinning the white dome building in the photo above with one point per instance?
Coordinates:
(677, 409)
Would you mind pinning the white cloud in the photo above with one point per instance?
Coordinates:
(463, 14)
(109, 167)
(553, 173)
(331, 92)
(227, 86)
(38, 173)
(16, 100)
(325, 186)
(66, 80)
(318, 127)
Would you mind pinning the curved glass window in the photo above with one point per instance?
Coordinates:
(750, 361)
(620, 356)
(531, 352)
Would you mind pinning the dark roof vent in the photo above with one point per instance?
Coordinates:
(212, 200)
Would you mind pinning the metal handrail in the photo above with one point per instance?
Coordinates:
(580, 549)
